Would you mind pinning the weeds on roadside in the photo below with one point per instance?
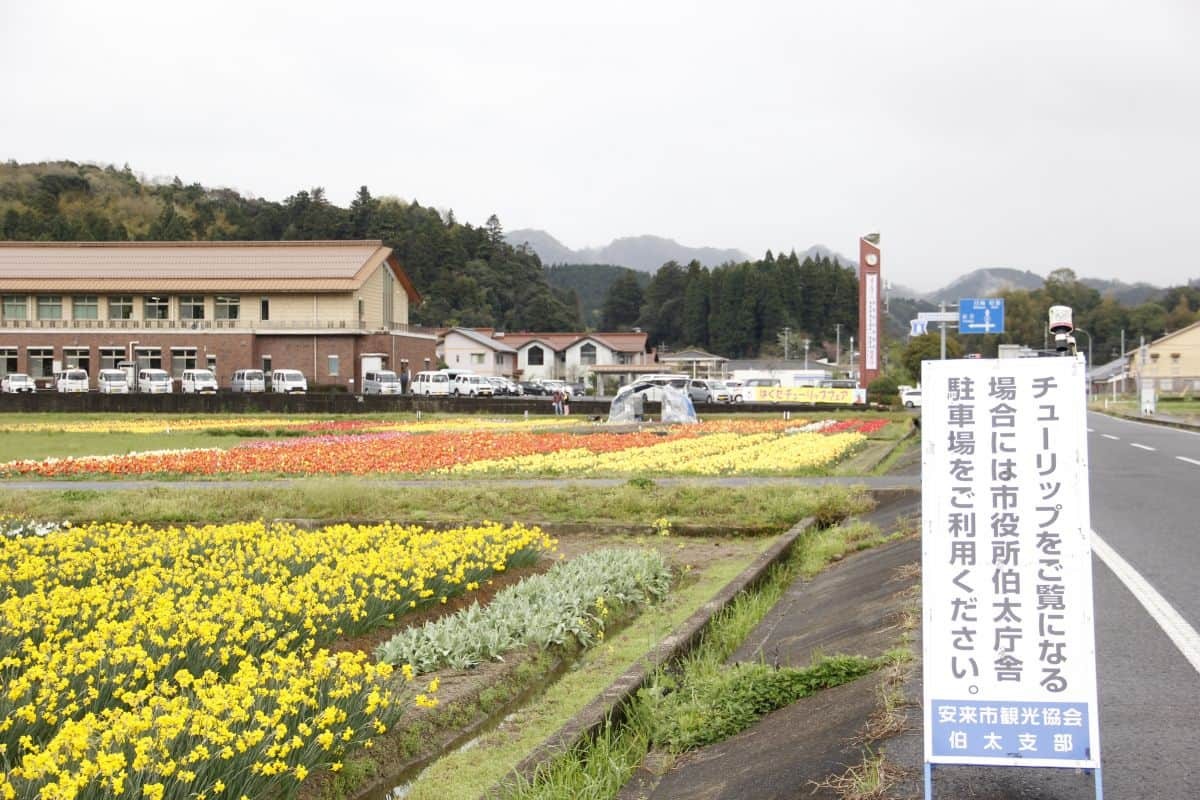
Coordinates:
(869, 780)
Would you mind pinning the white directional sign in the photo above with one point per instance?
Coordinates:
(1008, 635)
(938, 316)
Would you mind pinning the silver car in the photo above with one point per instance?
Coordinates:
(709, 391)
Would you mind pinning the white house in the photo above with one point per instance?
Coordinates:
(465, 348)
(545, 356)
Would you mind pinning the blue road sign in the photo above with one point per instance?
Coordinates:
(918, 327)
(984, 315)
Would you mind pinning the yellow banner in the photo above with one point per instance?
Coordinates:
(803, 394)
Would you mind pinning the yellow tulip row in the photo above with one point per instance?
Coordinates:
(714, 454)
(166, 424)
(146, 662)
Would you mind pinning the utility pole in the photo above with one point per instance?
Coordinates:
(787, 335)
(942, 325)
(837, 359)
(806, 343)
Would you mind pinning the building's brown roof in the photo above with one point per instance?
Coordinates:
(319, 266)
(621, 342)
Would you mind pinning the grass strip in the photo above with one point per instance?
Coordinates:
(598, 767)
(635, 503)
(469, 774)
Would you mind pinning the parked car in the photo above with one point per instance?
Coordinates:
(112, 381)
(430, 383)
(911, 398)
(471, 386)
(702, 390)
(194, 381)
(500, 386)
(381, 381)
(552, 386)
(15, 382)
(651, 390)
(533, 388)
(18, 383)
(248, 380)
(288, 381)
(736, 390)
(71, 380)
(154, 381)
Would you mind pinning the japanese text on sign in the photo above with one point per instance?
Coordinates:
(1008, 636)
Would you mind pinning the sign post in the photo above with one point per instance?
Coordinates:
(984, 315)
(1008, 634)
(870, 310)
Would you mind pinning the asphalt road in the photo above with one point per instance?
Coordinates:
(1145, 488)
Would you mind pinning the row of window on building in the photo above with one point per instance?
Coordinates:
(118, 306)
(40, 360)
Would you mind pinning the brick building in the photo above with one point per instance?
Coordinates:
(324, 308)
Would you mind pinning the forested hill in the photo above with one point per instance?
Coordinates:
(468, 275)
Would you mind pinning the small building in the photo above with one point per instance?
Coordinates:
(549, 356)
(1171, 364)
(324, 308)
(478, 351)
(696, 363)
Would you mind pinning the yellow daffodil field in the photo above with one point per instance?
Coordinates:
(195, 663)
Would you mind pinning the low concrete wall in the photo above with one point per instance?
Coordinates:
(343, 403)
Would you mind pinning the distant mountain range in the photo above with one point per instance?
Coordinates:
(643, 253)
(990, 281)
(648, 253)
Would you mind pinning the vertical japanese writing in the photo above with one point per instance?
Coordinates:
(1009, 646)
(961, 525)
(1005, 539)
(1051, 595)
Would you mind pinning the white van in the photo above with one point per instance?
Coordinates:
(288, 381)
(71, 380)
(381, 381)
(431, 383)
(470, 385)
(194, 381)
(154, 381)
(113, 381)
(249, 380)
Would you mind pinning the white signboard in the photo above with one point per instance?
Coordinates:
(1009, 644)
(871, 351)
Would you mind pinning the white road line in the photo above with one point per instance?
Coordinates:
(1143, 446)
(1157, 426)
(1110, 436)
(1189, 460)
(1175, 626)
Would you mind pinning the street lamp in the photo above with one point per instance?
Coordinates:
(852, 375)
(806, 343)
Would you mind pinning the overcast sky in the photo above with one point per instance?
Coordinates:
(1034, 135)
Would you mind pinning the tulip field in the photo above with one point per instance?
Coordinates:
(472, 448)
(258, 659)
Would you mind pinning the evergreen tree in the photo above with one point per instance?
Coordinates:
(622, 303)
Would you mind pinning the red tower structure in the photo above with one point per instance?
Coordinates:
(870, 309)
